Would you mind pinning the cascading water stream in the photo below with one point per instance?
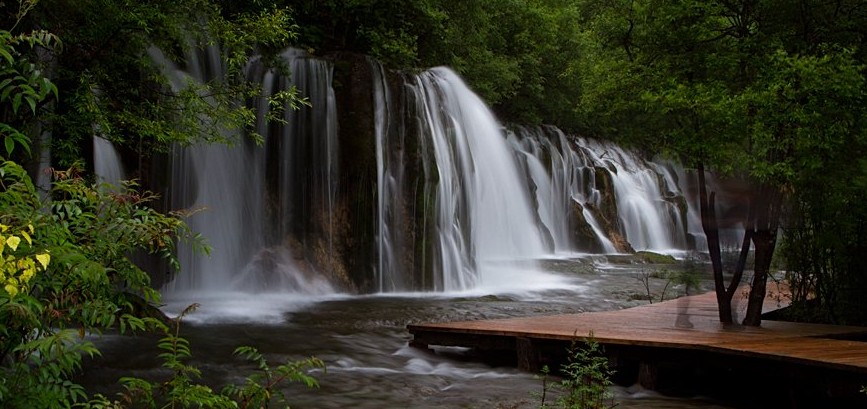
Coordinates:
(650, 221)
(482, 212)
(560, 184)
(650, 205)
(730, 208)
(389, 178)
(307, 147)
(106, 162)
(227, 187)
(221, 184)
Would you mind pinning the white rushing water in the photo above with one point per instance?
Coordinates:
(567, 178)
(225, 185)
(106, 162)
(390, 165)
(483, 212)
(651, 221)
(565, 171)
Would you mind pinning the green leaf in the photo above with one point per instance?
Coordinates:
(16, 102)
(7, 91)
(10, 144)
(6, 55)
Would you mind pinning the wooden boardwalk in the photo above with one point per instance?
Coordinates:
(684, 327)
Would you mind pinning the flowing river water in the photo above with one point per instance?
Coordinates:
(363, 341)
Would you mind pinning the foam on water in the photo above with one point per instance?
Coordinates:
(239, 307)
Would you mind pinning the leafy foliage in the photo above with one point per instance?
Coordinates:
(22, 83)
(260, 389)
(17, 271)
(67, 273)
(112, 86)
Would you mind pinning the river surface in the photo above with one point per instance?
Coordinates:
(363, 341)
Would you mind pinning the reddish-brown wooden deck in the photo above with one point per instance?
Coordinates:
(686, 324)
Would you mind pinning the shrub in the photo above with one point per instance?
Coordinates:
(586, 379)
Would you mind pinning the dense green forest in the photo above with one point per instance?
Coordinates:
(769, 91)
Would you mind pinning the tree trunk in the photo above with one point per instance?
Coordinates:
(764, 220)
(758, 287)
(711, 232)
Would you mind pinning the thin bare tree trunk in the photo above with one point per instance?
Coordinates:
(711, 231)
(764, 225)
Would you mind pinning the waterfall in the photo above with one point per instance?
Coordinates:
(482, 211)
(730, 208)
(564, 181)
(390, 177)
(106, 162)
(445, 199)
(226, 186)
(306, 148)
(646, 198)
(651, 207)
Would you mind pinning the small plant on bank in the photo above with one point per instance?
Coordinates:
(688, 279)
(586, 379)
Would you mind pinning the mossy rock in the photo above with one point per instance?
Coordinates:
(655, 258)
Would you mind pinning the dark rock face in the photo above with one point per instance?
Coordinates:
(356, 194)
(608, 211)
(357, 198)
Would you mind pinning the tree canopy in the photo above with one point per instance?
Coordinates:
(765, 90)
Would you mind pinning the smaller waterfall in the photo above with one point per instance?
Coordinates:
(650, 207)
(730, 208)
(562, 183)
(221, 184)
(106, 162)
(390, 169)
(305, 149)
(646, 200)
